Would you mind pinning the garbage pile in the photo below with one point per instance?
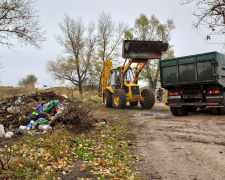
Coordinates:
(38, 113)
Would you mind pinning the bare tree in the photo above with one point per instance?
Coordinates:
(210, 14)
(110, 35)
(152, 29)
(78, 50)
(19, 20)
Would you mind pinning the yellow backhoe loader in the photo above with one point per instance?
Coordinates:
(120, 85)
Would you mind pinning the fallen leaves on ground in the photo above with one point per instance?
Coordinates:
(102, 151)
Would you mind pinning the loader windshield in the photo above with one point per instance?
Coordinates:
(129, 76)
(116, 76)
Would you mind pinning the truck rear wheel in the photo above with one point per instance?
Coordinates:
(119, 99)
(182, 111)
(108, 99)
(133, 103)
(149, 99)
(174, 111)
(216, 111)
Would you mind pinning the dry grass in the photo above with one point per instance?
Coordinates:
(88, 96)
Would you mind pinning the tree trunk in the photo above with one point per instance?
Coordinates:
(80, 89)
(151, 84)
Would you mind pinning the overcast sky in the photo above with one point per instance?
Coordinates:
(28, 60)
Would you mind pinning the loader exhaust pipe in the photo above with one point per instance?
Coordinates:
(143, 50)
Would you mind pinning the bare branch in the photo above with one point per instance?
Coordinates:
(19, 20)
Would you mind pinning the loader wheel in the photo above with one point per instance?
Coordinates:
(174, 111)
(216, 111)
(108, 99)
(133, 103)
(182, 111)
(119, 99)
(149, 99)
(222, 110)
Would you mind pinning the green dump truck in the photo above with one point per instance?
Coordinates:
(196, 81)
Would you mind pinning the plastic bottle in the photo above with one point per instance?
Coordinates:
(29, 126)
(32, 124)
(18, 101)
(8, 135)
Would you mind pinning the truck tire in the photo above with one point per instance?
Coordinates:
(216, 111)
(222, 110)
(108, 99)
(149, 99)
(174, 111)
(133, 104)
(182, 111)
(119, 99)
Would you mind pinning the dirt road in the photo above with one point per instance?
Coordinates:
(183, 147)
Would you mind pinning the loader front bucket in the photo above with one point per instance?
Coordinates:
(142, 50)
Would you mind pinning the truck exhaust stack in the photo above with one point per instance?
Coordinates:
(142, 50)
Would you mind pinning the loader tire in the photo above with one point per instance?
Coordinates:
(216, 111)
(119, 99)
(174, 111)
(108, 99)
(133, 104)
(149, 99)
(182, 111)
(222, 110)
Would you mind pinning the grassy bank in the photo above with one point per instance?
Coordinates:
(98, 154)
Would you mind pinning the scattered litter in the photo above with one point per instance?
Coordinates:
(29, 126)
(40, 151)
(44, 127)
(18, 131)
(18, 101)
(31, 92)
(23, 127)
(65, 96)
(13, 110)
(38, 113)
(99, 124)
(106, 122)
(2, 130)
(40, 107)
(8, 135)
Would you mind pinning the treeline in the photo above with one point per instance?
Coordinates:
(87, 47)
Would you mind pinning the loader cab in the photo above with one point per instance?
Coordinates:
(116, 77)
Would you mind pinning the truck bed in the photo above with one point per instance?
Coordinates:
(195, 69)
